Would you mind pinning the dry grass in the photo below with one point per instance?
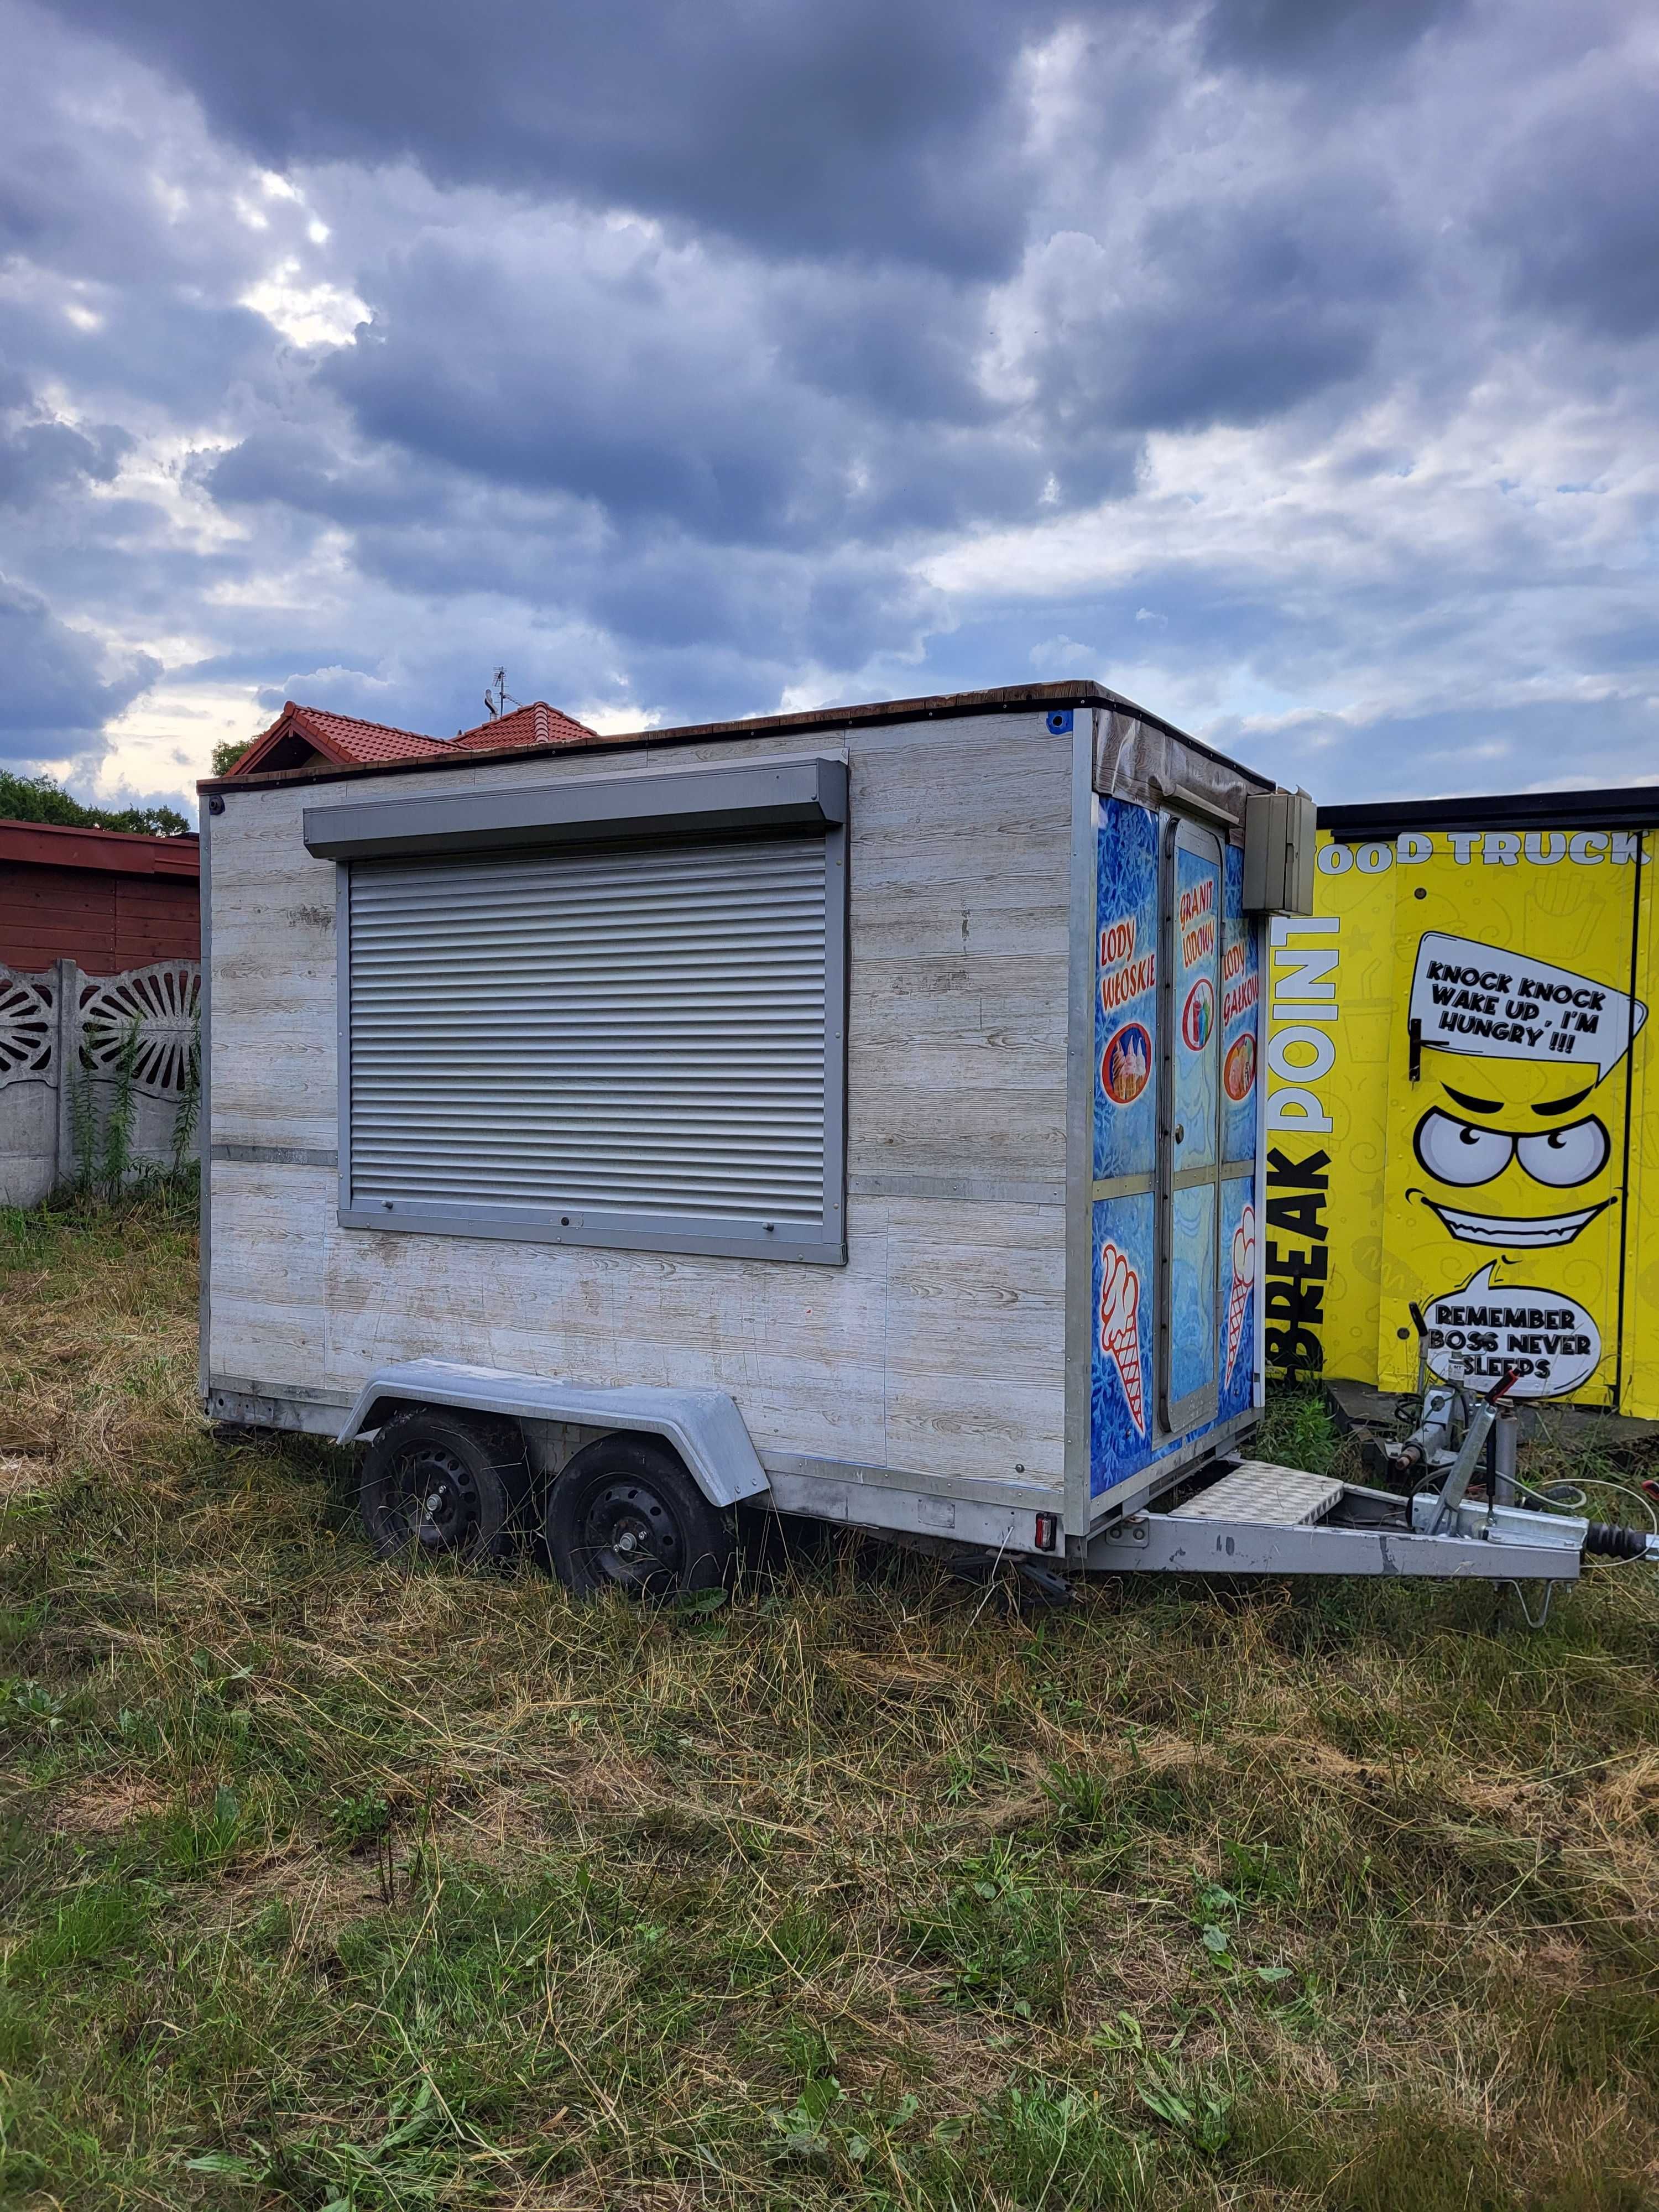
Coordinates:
(328, 1887)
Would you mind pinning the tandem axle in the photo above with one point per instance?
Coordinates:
(634, 1487)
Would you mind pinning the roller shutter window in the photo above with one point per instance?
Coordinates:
(640, 1045)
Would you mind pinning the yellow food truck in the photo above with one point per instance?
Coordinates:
(1460, 1130)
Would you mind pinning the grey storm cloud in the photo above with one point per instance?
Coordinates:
(1574, 211)
(1320, 35)
(658, 387)
(876, 125)
(56, 697)
(1223, 314)
(1289, 360)
(884, 127)
(39, 459)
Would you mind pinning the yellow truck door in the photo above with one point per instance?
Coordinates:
(1517, 999)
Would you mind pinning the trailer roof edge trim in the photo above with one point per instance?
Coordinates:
(938, 707)
(802, 796)
(1620, 808)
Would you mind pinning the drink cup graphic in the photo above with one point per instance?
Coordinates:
(1120, 1327)
(1238, 1296)
(1198, 1015)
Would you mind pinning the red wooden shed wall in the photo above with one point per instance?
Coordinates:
(103, 899)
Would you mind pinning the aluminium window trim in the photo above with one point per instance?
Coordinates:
(821, 1242)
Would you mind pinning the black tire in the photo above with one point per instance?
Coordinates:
(443, 1485)
(625, 1514)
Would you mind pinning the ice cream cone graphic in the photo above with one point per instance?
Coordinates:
(1243, 1281)
(1120, 1327)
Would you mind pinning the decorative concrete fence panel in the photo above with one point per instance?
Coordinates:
(70, 1045)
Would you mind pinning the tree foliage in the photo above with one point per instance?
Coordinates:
(38, 799)
(225, 756)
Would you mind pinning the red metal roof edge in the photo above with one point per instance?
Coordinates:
(77, 845)
(1008, 700)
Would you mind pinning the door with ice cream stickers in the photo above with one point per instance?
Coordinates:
(1176, 1014)
(1190, 1225)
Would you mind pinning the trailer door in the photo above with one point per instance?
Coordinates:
(1190, 1149)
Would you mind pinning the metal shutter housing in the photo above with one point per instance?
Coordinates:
(638, 1045)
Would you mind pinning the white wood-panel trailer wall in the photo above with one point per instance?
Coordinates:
(937, 1378)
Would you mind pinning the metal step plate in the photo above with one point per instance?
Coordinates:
(1256, 1489)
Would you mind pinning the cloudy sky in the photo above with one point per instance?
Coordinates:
(1288, 364)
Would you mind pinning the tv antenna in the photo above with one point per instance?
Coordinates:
(497, 701)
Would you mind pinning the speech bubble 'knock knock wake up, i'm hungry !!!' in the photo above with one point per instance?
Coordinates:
(1487, 999)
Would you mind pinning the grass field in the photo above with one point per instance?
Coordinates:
(324, 1887)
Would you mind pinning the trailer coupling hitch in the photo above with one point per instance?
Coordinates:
(1497, 1518)
(1474, 1445)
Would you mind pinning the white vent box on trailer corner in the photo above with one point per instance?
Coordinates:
(1278, 852)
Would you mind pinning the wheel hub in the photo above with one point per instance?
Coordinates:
(439, 1499)
(632, 1536)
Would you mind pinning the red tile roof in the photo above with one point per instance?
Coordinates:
(343, 739)
(539, 724)
(364, 741)
(347, 742)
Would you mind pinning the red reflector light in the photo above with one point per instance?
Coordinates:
(1048, 1531)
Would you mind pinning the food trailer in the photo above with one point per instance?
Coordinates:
(853, 1114)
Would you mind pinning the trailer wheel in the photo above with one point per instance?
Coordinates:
(441, 1485)
(625, 1514)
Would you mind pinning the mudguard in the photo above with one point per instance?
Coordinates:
(703, 1426)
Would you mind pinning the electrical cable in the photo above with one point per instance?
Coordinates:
(1599, 1482)
(1606, 1482)
(1614, 1542)
(1565, 1498)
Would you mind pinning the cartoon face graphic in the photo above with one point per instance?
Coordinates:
(1493, 1164)
(1514, 1151)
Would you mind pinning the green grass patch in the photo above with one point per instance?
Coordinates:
(320, 1886)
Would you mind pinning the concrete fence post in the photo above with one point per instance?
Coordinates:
(67, 1057)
